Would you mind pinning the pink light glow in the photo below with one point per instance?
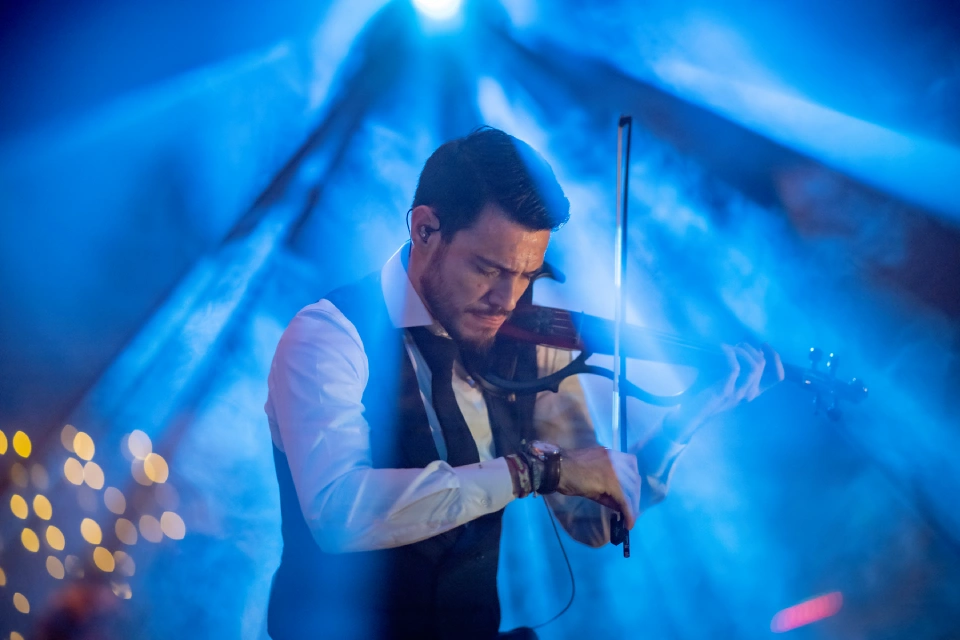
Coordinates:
(807, 612)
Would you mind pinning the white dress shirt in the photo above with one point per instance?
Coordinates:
(314, 409)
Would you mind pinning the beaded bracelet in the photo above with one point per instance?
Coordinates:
(520, 474)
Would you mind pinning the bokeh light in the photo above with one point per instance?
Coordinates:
(126, 531)
(104, 560)
(121, 590)
(83, 446)
(114, 500)
(125, 563)
(21, 603)
(3, 443)
(139, 445)
(19, 506)
(150, 528)
(55, 567)
(39, 477)
(19, 475)
(138, 473)
(73, 471)
(67, 434)
(90, 531)
(22, 444)
(93, 475)
(55, 538)
(172, 525)
(155, 467)
(42, 507)
(30, 540)
(73, 566)
(3, 578)
(15, 636)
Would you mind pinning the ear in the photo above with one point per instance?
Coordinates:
(424, 227)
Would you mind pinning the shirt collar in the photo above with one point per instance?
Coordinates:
(404, 305)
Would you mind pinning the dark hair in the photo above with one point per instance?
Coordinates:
(490, 166)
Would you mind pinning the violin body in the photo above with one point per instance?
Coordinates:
(591, 335)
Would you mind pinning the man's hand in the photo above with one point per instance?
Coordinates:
(750, 372)
(608, 477)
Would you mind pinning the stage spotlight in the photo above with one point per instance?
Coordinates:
(438, 9)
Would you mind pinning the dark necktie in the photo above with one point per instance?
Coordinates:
(440, 353)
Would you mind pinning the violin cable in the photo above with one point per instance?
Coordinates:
(573, 582)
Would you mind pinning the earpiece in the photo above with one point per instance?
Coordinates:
(425, 232)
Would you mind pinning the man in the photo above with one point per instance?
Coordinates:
(394, 466)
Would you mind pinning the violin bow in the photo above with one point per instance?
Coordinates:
(619, 534)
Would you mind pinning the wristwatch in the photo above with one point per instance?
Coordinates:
(544, 461)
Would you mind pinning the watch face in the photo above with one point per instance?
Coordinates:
(544, 448)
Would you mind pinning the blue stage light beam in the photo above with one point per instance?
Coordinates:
(440, 10)
(920, 171)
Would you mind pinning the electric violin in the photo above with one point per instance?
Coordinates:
(591, 335)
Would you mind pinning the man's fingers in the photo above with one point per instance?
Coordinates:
(751, 371)
(773, 372)
(729, 383)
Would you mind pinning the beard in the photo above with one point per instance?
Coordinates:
(436, 293)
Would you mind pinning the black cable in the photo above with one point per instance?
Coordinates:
(573, 583)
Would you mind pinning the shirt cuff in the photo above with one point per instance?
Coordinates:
(487, 484)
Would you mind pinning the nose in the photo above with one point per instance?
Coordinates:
(507, 291)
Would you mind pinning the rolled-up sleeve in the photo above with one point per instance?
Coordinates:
(315, 410)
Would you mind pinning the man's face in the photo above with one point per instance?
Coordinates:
(472, 283)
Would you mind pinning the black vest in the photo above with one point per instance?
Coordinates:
(442, 587)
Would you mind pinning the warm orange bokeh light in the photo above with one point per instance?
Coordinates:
(19, 506)
(90, 531)
(30, 540)
(42, 507)
(83, 446)
(21, 603)
(104, 560)
(22, 444)
(55, 538)
(155, 468)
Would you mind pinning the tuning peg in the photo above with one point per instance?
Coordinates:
(832, 364)
(815, 356)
